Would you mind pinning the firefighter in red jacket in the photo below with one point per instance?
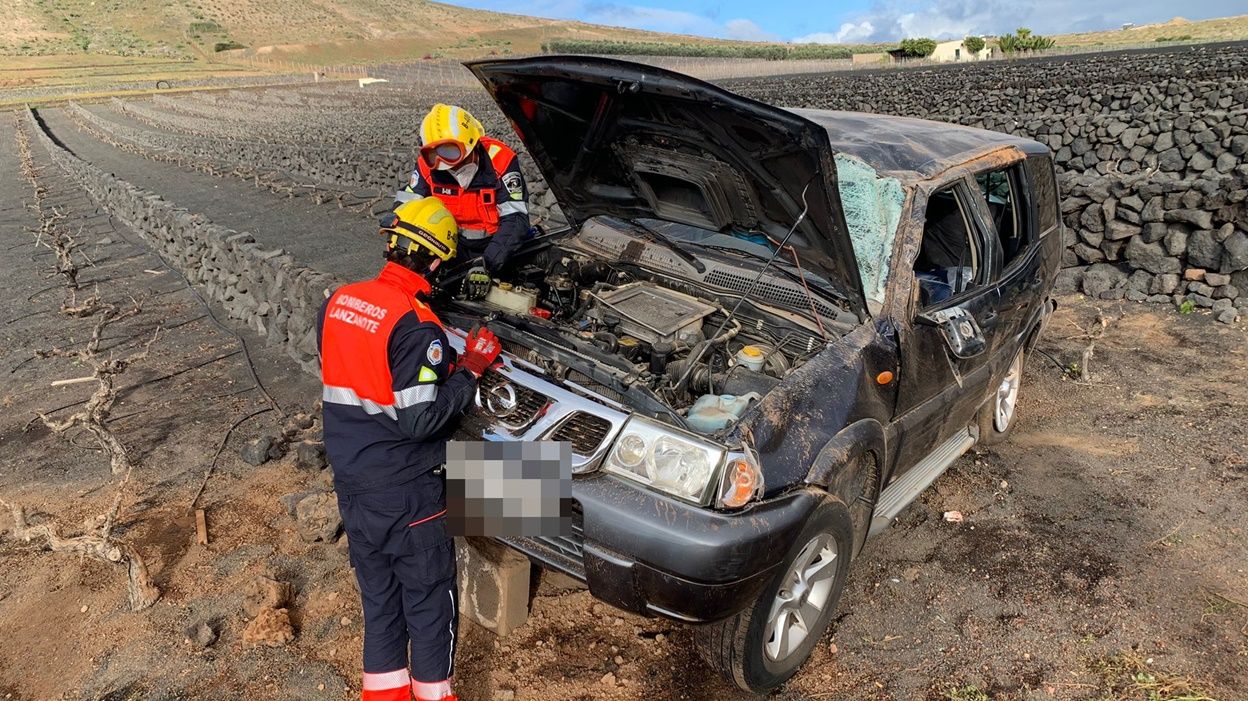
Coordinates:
(479, 181)
(393, 391)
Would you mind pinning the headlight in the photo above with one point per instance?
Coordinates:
(665, 458)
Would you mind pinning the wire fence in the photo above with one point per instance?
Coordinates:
(63, 92)
(441, 73)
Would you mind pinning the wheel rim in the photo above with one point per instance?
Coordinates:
(1007, 396)
(803, 595)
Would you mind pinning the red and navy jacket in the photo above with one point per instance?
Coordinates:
(391, 395)
(492, 212)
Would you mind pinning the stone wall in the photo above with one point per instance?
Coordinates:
(343, 166)
(262, 287)
(371, 170)
(1172, 112)
(1158, 239)
(1150, 149)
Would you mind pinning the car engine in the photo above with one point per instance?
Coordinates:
(659, 345)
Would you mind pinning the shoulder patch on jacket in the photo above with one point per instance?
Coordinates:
(514, 183)
(426, 374)
(434, 353)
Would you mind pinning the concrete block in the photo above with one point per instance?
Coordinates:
(493, 584)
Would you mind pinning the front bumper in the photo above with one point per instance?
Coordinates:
(637, 549)
(653, 555)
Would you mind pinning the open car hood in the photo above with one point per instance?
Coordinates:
(633, 141)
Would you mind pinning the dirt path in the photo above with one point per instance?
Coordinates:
(1104, 546)
(68, 615)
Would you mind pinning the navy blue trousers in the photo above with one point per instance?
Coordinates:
(405, 564)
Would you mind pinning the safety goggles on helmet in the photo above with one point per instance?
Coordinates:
(447, 151)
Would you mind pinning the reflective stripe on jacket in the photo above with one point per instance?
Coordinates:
(389, 394)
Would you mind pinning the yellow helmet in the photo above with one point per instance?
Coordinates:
(448, 124)
(426, 223)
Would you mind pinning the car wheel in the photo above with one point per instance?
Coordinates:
(997, 417)
(761, 647)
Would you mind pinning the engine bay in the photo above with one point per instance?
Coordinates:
(667, 347)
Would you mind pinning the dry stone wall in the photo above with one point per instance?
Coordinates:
(262, 287)
(1150, 148)
(334, 165)
(372, 170)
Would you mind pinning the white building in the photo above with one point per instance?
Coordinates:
(955, 51)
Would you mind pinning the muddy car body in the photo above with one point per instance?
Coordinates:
(888, 273)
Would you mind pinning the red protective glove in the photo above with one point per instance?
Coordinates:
(481, 349)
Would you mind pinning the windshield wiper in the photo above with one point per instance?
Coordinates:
(655, 237)
(821, 285)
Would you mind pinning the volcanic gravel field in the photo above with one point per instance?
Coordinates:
(1102, 552)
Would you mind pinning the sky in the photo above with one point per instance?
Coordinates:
(850, 21)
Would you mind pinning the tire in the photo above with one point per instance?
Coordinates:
(996, 420)
(738, 647)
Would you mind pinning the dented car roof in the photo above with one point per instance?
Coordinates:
(907, 148)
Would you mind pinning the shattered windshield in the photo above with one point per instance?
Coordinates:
(872, 204)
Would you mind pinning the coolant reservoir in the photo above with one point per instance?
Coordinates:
(713, 412)
(512, 299)
(751, 357)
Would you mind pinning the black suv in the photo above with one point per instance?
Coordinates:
(764, 332)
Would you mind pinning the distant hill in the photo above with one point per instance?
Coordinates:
(346, 31)
(310, 30)
(1175, 30)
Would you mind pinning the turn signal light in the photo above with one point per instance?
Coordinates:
(742, 481)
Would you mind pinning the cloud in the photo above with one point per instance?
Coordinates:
(849, 33)
(747, 30)
(892, 20)
(940, 19)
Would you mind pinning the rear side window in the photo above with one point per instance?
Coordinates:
(1044, 185)
(1006, 201)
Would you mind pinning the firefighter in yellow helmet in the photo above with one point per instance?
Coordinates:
(423, 225)
(393, 390)
(479, 181)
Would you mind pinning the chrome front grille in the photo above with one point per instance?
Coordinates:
(512, 405)
(584, 431)
(515, 404)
